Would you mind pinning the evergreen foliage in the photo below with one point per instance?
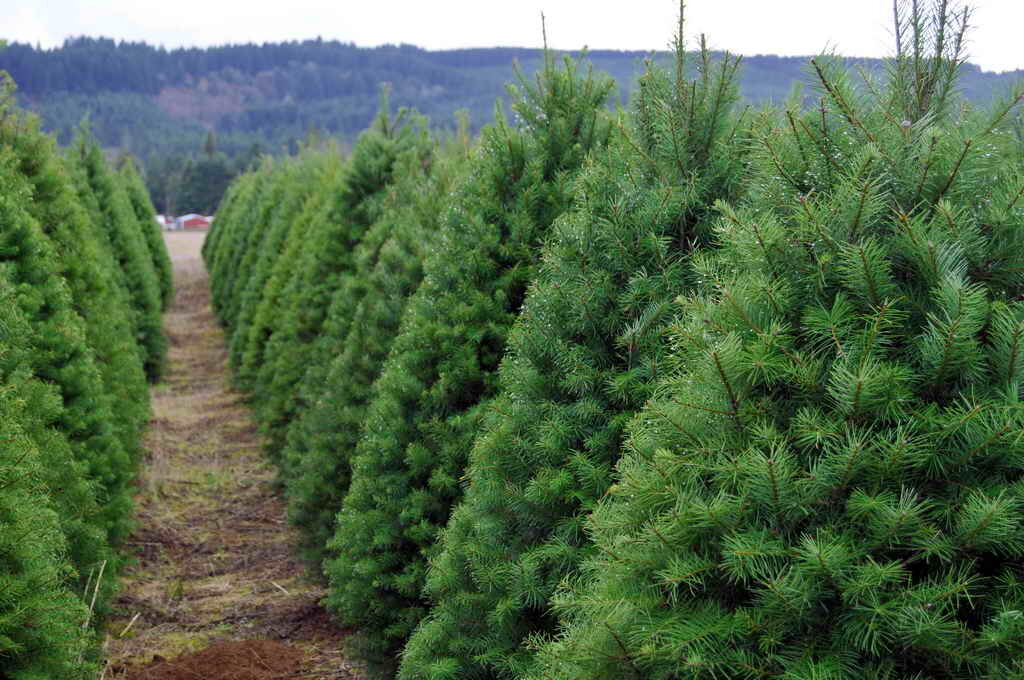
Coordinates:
(83, 465)
(89, 269)
(361, 323)
(827, 482)
(259, 216)
(272, 94)
(229, 202)
(274, 211)
(152, 234)
(328, 256)
(580, 362)
(267, 315)
(228, 236)
(113, 215)
(41, 632)
(293, 184)
(68, 450)
(684, 393)
(441, 373)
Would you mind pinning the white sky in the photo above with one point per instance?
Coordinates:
(787, 27)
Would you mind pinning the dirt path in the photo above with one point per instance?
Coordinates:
(215, 593)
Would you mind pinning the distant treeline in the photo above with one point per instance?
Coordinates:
(153, 101)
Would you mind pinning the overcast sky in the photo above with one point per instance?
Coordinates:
(789, 27)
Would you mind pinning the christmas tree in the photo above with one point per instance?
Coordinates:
(152, 233)
(327, 257)
(441, 372)
(239, 231)
(272, 198)
(827, 482)
(88, 268)
(82, 460)
(361, 323)
(267, 315)
(211, 249)
(41, 619)
(112, 214)
(297, 181)
(581, 361)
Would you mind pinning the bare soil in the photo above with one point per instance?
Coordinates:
(215, 592)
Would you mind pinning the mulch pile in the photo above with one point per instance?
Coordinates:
(244, 660)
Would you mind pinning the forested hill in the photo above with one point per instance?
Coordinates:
(149, 100)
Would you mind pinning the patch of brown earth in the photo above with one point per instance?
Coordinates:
(206, 100)
(214, 577)
(247, 660)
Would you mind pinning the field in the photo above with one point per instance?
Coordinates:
(184, 248)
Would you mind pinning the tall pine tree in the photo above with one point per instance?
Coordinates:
(297, 182)
(152, 233)
(441, 372)
(827, 483)
(581, 360)
(328, 256)
(88, 266)
(83, 460)
(271, 199)
(235, 229)
(362, 322)
(41, 618)
(267, 315)
(112, 213)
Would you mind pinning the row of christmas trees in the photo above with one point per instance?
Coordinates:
(84, 277)
(685, 392)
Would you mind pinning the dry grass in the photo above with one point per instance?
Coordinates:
(214, 558)
(184, 247)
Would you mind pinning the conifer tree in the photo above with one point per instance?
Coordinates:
(145, 213)
(293, 185)
(441, 372)
(259, 218)
(580, 362)
(361, 323)
(234, 224)
(113, 214)
(41, 631)
(87, 265)
(827, 482)
(228, 204)
(328, 256)
(227, 207)
(267, 316)
(83, 459)
(213, 236)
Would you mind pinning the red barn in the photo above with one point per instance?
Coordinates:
(194, 222)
